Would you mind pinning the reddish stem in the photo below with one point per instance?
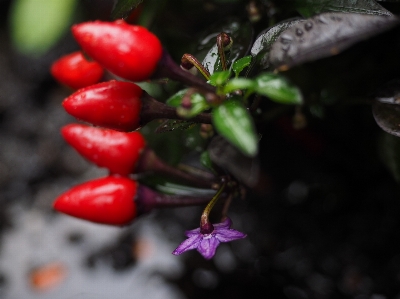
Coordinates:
(150, 162)
(148, 199)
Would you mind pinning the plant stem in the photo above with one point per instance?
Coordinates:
(224, 42)
(148, 199)
(205, 225)
(189, 59)
(150, 162)
(167, 68)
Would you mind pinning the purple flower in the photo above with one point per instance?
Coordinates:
(207, 244)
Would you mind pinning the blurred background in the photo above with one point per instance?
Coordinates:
(322, 223)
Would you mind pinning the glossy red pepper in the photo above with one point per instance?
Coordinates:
(74, 71)
(108, 200)
(113, 104)
(129, 51)
(117, 151)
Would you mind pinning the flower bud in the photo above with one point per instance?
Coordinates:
(117, 151)
(129, 51)
(74, 71)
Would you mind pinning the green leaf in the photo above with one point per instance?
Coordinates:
(278, 89)
(240, 64)
(219, 78)
(232, 121)
(123, 8)
(176, 99)
(239, 83)
(198, 103)
(309, 8)
(205, 160)
(36, 25)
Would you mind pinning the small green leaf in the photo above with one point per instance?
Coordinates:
(219, 78)
(232, 121)
(36, 25)
(122, 8)
(278, 89)
(176, 99)
(198, 103)
(239, 83)
(205, 160)
(241, 64)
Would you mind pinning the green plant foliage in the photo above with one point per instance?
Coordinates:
(198, 103)
(206, 161)
(36, 25)
(219, 78)
(278, 89)
(240, 83)
(232, 120)
(176, 99)
(239, 65)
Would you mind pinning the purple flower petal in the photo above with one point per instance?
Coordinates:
(229, 235)
(208, 246)
(188, 244)
(193, 232)
(227, 223)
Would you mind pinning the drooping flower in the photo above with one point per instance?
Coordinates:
(207, 243)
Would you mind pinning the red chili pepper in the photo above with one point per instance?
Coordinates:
(117, 151)
(74, 71)
(129, 51)
(113, 104)
(108, 200)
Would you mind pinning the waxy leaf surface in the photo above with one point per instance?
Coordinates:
(309, 8)
(232, 120)
(265, 40)
(278, 89)
(325, 35)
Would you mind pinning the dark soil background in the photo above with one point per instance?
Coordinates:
(322, 223)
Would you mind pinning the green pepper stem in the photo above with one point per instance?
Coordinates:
(205, 226)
